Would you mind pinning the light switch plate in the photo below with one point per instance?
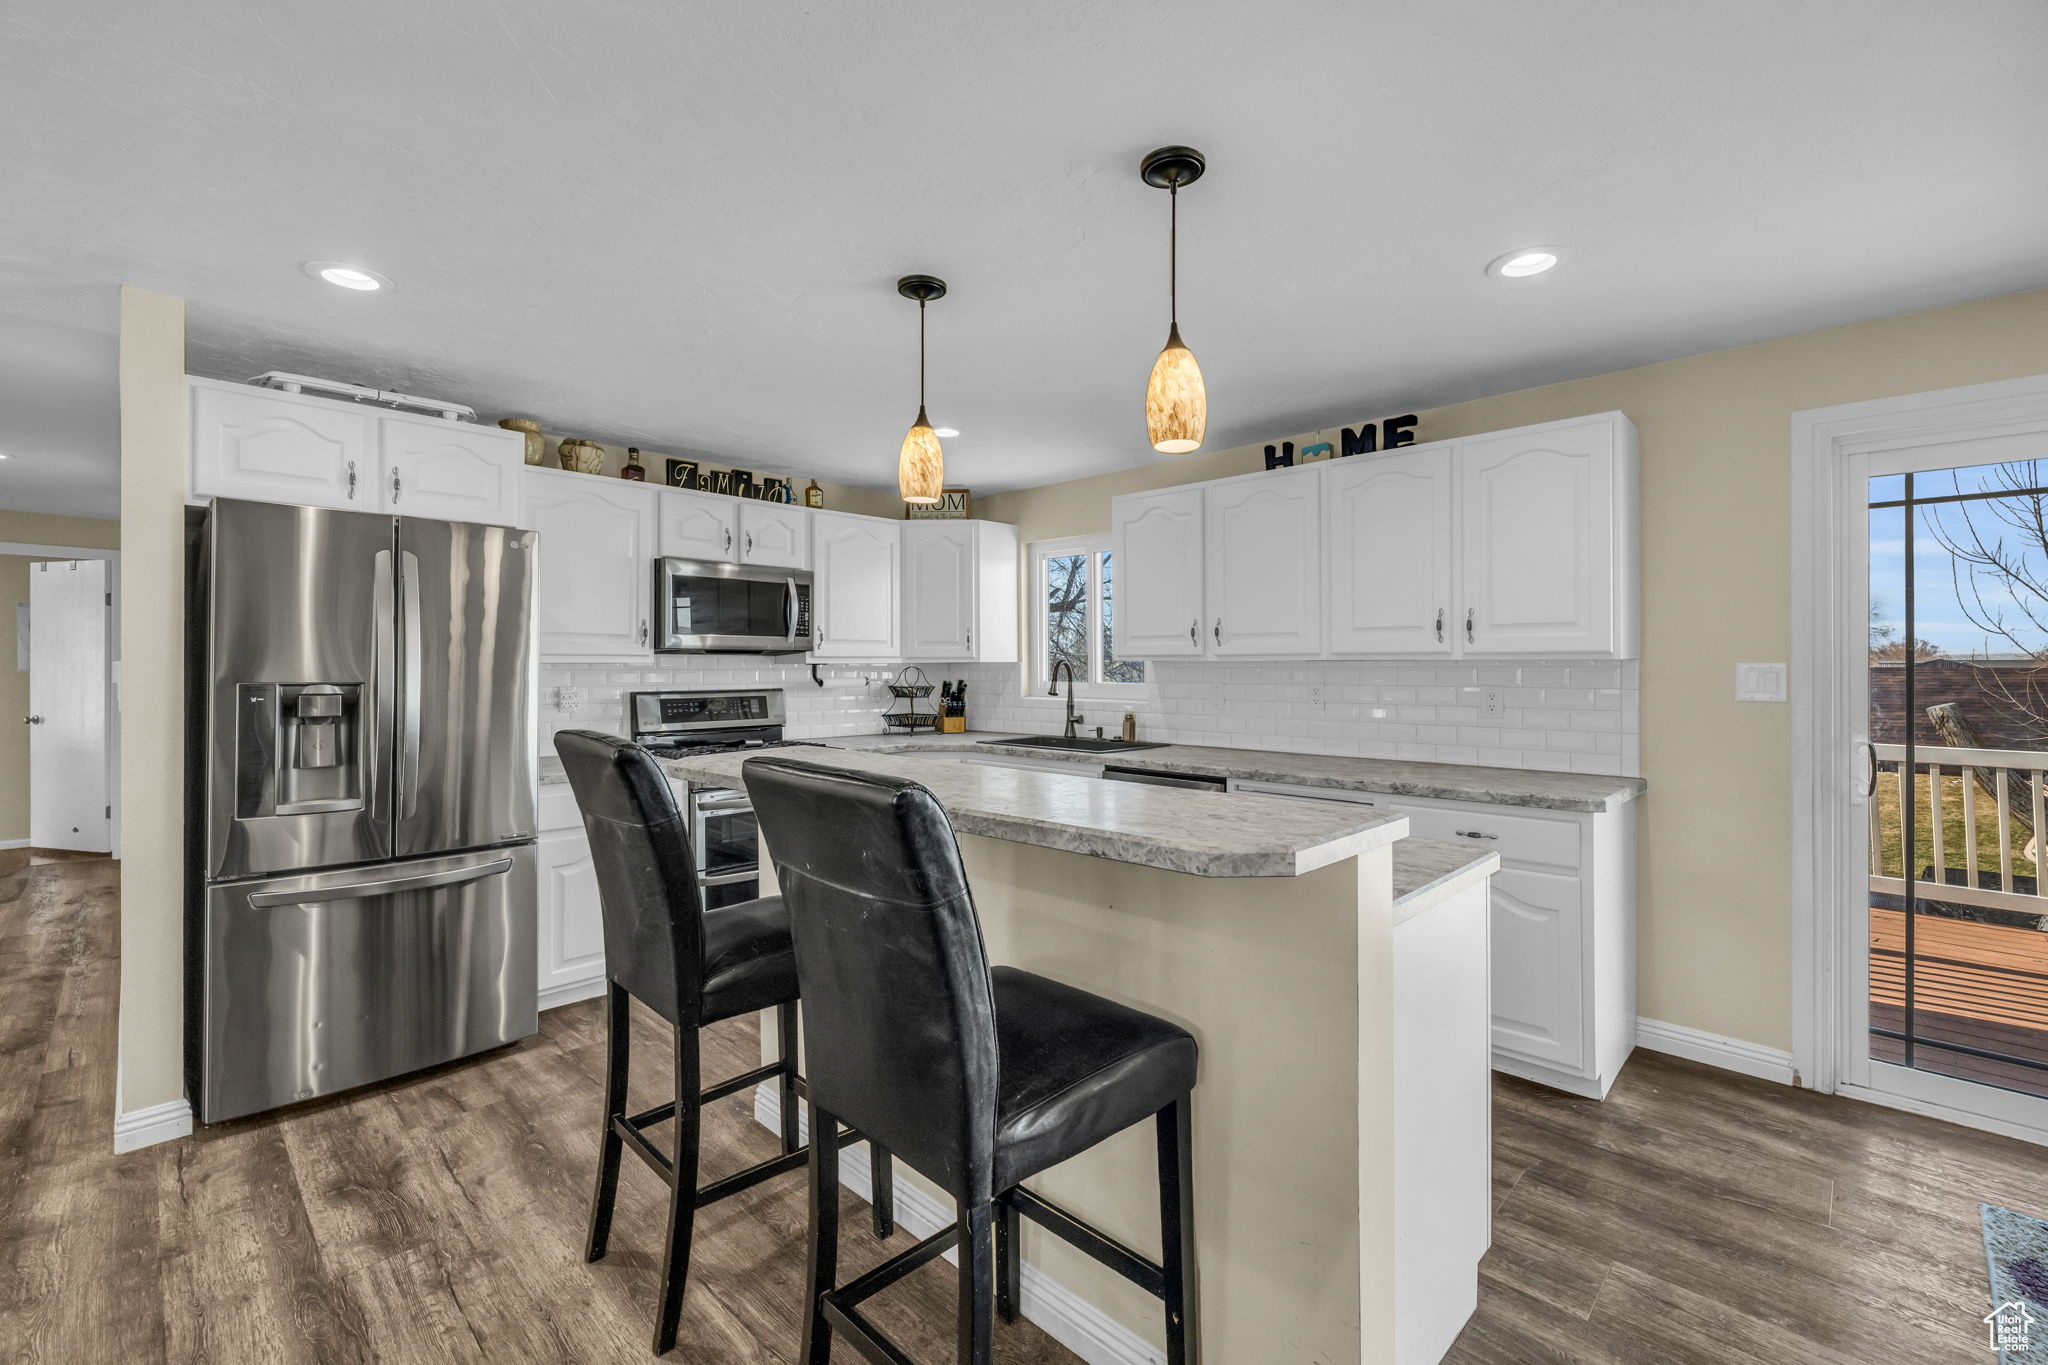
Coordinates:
(1759, 682)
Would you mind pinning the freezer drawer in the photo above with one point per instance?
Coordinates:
(323, 981)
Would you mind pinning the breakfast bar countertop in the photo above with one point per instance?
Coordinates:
(1202, 833)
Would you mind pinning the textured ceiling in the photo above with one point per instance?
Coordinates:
(678, 224)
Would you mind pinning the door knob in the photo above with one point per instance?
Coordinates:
(31, 720)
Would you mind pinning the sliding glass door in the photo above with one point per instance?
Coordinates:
(1954, 959)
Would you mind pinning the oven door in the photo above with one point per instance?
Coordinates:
(710, 608)
(728, 844)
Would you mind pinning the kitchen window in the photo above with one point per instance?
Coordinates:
(1074, 604)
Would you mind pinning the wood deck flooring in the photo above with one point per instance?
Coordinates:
(1693, 1218)
(1980, 985)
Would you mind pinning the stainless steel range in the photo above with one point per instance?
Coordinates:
(722, 827)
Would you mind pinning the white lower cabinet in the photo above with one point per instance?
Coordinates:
(571, 922)
(1563, 928)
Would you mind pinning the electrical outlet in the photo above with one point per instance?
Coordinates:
(568, 698)
(1315, 695)
(1489, 703)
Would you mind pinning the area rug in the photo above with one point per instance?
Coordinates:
(2016, 1247)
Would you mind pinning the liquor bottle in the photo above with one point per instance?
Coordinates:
(814, 496)
(634, 472)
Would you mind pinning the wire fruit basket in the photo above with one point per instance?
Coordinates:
(908, 688)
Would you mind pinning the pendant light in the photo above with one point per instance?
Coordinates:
(1176, 402)
(921, 467)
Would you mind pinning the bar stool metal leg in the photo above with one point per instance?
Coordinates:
(785, 1022)
(822, 1262)
(977, 1287)
(1009, 1267)
(617, 1044)
(682, 1194)
(882, 1186)
(1177, 1231)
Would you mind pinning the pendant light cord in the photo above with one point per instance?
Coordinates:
(1173, 257)
(920, 355)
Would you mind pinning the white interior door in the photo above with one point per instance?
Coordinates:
(67, 690)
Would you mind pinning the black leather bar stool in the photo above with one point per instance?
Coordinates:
(692, 967)
(977, 1078)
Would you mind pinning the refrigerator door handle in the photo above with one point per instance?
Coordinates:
(409, 700)
(384, 738)
(383, 886)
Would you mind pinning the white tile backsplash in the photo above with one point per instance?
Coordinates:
(851, 702)
(1563, 715)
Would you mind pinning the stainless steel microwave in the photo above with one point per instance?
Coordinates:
(708, 608)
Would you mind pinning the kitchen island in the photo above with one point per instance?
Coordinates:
(1342, 1137)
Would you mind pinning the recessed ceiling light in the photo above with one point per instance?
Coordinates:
(347, 276)
(946, 432)
(1526, 261)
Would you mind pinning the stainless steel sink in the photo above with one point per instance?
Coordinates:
(1077, 745)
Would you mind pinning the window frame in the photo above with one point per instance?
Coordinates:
(1038, 663)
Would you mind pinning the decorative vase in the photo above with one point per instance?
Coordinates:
(536, 444)
(582, 457)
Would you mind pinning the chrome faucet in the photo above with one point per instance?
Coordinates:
(1054, 690)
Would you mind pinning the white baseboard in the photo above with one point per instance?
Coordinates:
(1058, 1311)
(1711, 1049)
(570, 994)
(14, 843)
(147, 1127)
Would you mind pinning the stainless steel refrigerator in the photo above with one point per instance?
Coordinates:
(367, 900)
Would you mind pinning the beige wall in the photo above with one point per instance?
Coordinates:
(871, 502)
(152, 533)
(28, 528)
(1716, 833)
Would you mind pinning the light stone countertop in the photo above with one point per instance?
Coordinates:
(1427, 871)
(1206, 834)
(1438, 781)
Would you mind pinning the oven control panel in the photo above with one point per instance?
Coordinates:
(685, 711)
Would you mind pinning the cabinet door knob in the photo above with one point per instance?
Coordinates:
(728, 540)
(1439, 625)
(1469, 613)
(750, 542)
(1219, 630)
(31, 720)
(351, 480)
(1475, 834)
(1194, 638)
(397, 488)
(643, 632)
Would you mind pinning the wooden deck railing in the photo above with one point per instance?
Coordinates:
(2013, 775)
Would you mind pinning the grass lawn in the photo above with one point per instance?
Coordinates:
(1953, 844)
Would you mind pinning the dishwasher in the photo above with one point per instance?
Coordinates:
(1153, 778)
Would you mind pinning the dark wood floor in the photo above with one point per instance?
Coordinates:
(1694, 1217)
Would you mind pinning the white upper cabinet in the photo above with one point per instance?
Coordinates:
(1264, 564)
(1546, 560)
(1388, 528)
(1159, 571)
(856, 602)
(280, 447)
(597, 552)
(1515, 543)
(452, 471)
(960, 591)
(776, 534)
(698, 525)
(298, 448)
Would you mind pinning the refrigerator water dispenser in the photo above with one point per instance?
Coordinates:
(299, 752)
